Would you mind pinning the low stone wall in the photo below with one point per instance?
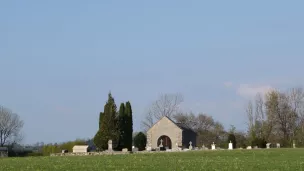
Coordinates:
(110, 153)
(129, 152)
(90, 153)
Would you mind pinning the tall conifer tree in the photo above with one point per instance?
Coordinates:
(129, 126)
(100, 119)
(122, 127)
(109, 125)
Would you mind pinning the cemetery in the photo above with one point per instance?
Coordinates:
(159, 139)
(166, 145)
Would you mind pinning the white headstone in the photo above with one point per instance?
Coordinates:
(110, 148)
(268, 145)
(278, 145)
(249, 147)
(294, 145)
(230, 146)
(148, 148)
(134, 149)
(161, 143)
(190, 145)
(213, 146)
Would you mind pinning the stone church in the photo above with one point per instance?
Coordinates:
(168, 133)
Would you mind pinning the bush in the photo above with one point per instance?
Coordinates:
(140, 141)
(260, 142)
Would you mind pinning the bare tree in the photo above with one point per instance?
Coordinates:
(251, 120)
(201, 122)
(207, 129)
(10, 126)
(279, 117)
(166, 105)
(148, 122)
(296, 103)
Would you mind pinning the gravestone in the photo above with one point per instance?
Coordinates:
(230, 146)
(203, 147)
(148, 148)
(110, 148)
(278, 145)
(161, 143)
(294, 144)
(80, 149)
(249, 147)
(135, 149)
(190, 145)
(268, 145)
(213, 146)
(124, 150)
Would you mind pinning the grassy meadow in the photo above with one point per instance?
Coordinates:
(247, 160)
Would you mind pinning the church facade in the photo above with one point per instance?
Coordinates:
(168, 133)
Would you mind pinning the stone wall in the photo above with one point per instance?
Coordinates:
(90, 153)
(108, 153)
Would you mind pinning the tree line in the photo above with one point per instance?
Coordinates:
(274, 117)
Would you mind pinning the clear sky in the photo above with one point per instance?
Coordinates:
(59, 59)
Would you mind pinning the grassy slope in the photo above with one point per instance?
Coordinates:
(247, 160)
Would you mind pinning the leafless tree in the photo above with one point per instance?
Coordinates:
(296, 103)
(148, 121)
(279, 117)
(10, 126)
(166, 105)
(251, 121)
(207, 129)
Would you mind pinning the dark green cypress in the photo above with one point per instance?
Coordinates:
(122, 127)
(129, 126)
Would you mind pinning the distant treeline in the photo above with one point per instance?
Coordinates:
(57, 148)
(44, 150)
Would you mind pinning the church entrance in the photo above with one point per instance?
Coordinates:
(164, 142)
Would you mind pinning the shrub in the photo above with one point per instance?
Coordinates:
(260, 142)
(140, 141)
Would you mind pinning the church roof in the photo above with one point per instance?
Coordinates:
(181, 125)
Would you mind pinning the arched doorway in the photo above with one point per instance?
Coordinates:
(165, 140)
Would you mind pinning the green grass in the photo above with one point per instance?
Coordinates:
(246, 160)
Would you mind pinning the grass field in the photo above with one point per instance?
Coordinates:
(247, 160)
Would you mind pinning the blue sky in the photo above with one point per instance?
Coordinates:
(59, 59)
